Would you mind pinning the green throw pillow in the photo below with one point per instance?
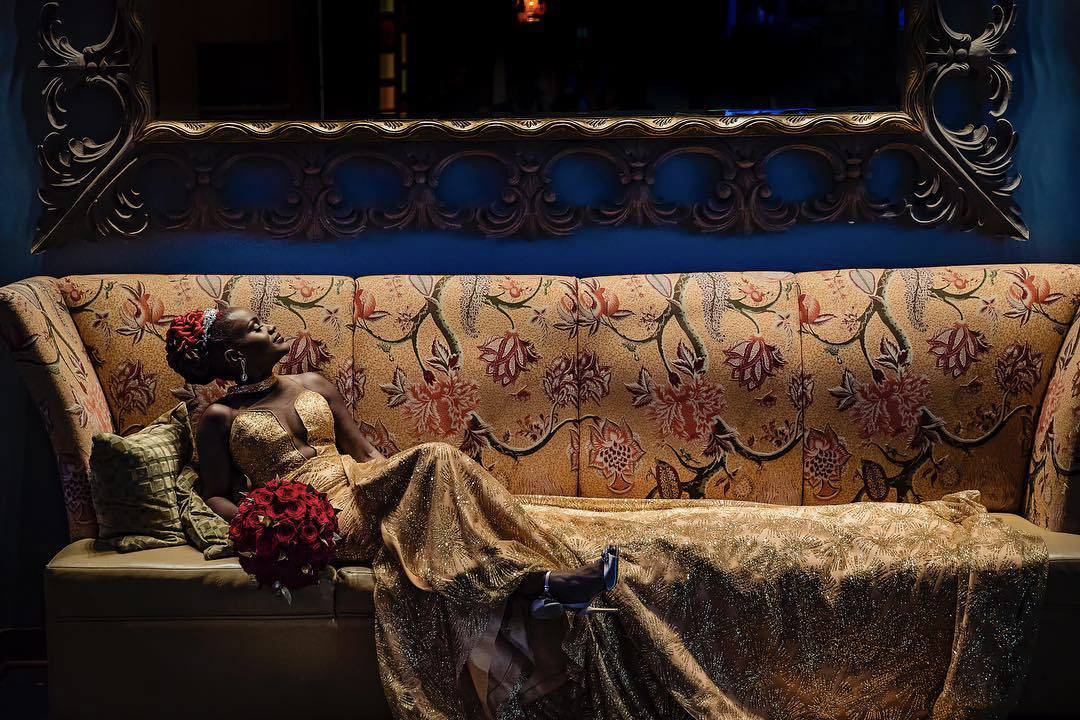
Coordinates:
(133, 483)
(205, 529)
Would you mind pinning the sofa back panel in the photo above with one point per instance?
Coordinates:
(686, 386)
(1053, 493)
(122, 320)
(38, 331)
(928, 380)
(484, 363)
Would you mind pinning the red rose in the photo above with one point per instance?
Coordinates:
(295, 511)
(260, 496)
(289, 491)
(251, 521)
(309, 533)
(276, 510)
(265, 544)
(294, 540)
(285, 532)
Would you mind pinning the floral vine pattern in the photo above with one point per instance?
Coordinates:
(691, 356)
(1052, 500)
(821, 387)
(37, 329)
(487, 363)
(935, 376)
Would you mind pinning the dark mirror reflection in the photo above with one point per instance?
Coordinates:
(354, 59)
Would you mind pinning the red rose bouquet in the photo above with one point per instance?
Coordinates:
(284, 533)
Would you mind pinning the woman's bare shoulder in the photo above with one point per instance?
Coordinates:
(314, 381)
(215, 420)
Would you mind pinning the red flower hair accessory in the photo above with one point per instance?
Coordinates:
(188, 330)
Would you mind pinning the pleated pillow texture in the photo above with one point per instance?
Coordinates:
(133, 481)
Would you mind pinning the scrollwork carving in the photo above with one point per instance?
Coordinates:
(963, 177)
(76, 165)
(981, 154)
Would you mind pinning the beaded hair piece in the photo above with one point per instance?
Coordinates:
(208, 318)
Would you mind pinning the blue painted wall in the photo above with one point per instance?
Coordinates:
(1046, 110)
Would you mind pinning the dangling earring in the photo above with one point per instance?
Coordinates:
(243, 370)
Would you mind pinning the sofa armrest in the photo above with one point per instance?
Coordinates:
(1053, 488)
(37, 328)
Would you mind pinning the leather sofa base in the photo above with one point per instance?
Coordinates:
(165, 634)
(229, 668)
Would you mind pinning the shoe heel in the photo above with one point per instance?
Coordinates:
(547, 609)
(611, 567)
(599, 610)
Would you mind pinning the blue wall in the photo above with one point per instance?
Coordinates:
(1045, 109)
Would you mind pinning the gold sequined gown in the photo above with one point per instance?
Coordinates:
(726, 609)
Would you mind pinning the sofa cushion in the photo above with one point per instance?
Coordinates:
(1063, 580)
(1050, 688)
(122, 320)
(929, 380)
(484, 363)
(133, 482)
(663, 358)
(353, 591)
(205, 529)
(85, 580)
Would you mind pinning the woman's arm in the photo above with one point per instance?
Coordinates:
(349, 437)
(215, 462)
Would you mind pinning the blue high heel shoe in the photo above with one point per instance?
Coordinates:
(547, 607)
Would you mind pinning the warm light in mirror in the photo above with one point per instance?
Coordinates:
(531, 11)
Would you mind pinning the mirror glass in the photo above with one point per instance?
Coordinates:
(367, 59)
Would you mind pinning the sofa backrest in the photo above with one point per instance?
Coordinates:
(122, 321)
(929, 380)
(820, 387)
(691, 386)
(484, 363)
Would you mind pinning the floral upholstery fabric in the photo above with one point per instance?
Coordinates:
(822, 387)
(1053, 496)
(122, 321)
(41, 336)
(928, 380)
(691, 386)
(486, 363)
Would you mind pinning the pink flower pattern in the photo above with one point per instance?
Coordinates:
(753, 361)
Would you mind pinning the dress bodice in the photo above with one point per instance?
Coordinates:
(262, 446)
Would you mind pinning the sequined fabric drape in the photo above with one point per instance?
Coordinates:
(726, 609)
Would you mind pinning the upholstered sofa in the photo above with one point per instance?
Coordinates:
(818, 387)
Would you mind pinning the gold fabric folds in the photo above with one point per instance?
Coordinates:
(726, 609)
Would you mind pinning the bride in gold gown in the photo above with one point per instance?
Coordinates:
(726, 609)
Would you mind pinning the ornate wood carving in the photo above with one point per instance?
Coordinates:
(963, 177)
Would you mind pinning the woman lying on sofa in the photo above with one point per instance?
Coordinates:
(725, 609)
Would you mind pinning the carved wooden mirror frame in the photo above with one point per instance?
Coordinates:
(963, 178)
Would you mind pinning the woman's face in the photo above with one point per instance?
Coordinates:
(260, 344)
